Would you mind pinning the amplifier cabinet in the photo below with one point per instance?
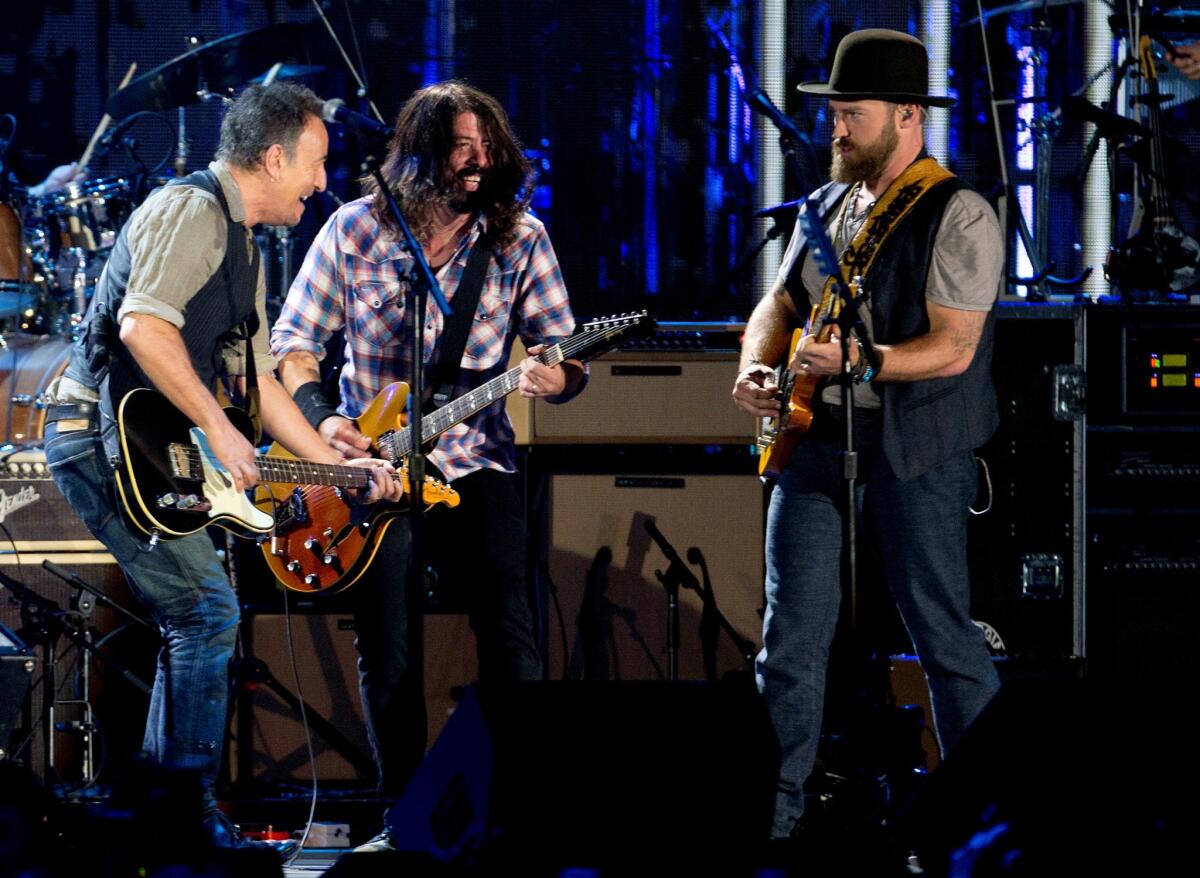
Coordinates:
(42, 526)
(604, 563)
(1143, 597)
(1143, 505)
(327, 665)
(680, 397)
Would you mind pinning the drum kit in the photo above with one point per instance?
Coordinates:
(54, 245)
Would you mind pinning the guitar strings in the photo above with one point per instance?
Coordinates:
(438, 422)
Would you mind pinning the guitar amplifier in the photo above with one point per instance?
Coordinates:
(38, 525)
(672, 388)
(603, 563)
(16, 676)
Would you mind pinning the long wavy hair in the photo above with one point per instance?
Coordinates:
(418, 159)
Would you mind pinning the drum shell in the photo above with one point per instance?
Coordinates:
(11, 249)
(28, 364)
(89, 215)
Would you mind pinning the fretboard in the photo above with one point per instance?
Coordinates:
(186, 459)
(456, 411)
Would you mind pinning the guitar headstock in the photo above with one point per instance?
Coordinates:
(820, 246)
(605, 333)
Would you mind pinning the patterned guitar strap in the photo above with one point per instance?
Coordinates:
(895, 204)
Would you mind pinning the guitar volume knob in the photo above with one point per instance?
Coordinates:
(311, 579)
(293, 566)
(311, 544)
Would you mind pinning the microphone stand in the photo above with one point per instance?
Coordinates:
(741, 269)
(424, 284)
(47, 621)
(78, 581)
(849, 320)
(676, 575)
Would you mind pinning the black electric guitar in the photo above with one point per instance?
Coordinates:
(322, 543)
(1160, 255)
(171, 484)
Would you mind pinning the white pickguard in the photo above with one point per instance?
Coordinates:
(220, 491)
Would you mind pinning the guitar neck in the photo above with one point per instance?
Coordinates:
(455, 412)
(307, 472)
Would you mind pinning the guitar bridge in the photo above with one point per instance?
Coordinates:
(179, 459)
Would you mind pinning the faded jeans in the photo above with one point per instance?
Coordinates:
(185, 588)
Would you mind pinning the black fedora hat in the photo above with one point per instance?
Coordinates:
(877, 64)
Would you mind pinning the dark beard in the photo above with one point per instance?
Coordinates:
(865, 162)
(462, 201)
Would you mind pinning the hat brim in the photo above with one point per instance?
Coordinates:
(823, 90)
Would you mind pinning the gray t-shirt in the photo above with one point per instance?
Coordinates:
(176, 243)
(964, 272)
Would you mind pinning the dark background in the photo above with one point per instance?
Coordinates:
(647, 167)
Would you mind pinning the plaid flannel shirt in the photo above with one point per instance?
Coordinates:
(355, 278)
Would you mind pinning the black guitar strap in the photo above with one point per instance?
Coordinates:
(458, 326)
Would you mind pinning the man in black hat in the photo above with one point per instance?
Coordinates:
(930, 253)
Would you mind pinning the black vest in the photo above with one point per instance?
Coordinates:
(221, 311)
(924, 422)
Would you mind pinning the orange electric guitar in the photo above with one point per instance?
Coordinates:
(780, 434)
(323, 542)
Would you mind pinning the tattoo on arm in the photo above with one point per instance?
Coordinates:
(966, 331)
(964, 341)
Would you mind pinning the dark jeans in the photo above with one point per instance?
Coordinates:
(481, 546)
(918, 528)
(185, 588)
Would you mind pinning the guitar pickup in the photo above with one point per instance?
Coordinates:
(292, 513)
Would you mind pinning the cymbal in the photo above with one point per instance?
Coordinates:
(1178, 22)
(217, 66)
(1023, 6)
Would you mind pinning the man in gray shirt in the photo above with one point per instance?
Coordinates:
(930, 252)
(180, 296)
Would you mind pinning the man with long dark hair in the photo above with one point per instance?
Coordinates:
(463, 183)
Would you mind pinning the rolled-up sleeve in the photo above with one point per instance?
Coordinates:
(176, 243)
(968, 255)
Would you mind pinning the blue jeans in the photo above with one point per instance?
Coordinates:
(919, 531)
(185, 588)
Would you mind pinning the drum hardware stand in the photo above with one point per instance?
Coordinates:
(281, 251)
(712, 619)
(1043, 130)
(249, 673)
(44, 622)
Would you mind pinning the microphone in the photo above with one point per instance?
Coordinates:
(761, 102)
(1108, 123)
(335, 110)
(109, 139)
(787, 208)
